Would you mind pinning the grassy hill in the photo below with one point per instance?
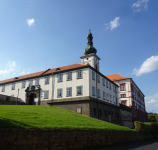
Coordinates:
(44, 117)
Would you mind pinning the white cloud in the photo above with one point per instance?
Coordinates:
(113, 24)
(9, 68)
(140, 5)
(149, 65)
(30, 22)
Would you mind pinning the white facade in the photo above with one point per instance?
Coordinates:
(86, 82)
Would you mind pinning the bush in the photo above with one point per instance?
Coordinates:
(144, 126)
(152, 118)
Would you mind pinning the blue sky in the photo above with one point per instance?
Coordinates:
(125, 34)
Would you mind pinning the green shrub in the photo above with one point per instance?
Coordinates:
(144, 126)
(152, 118)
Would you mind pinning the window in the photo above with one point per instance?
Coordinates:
(114, 88)
(100, 113)
(122, 87)
(13, 86)
(93, 90)
(23, 84)
(3, 88)
(107, 95)
(98, 93)
(46, 94)
(110, 86)
(79, 74)
(79, 90)
(36, 81)
(107, 83)
(46, 80)
(93, 75)
(59, 92)
(110, 97)
(123, 95)
(60, 78)
(123, 102)
(98, 79)
(95, 112)
(69, 76)
(105, 113)
(103, 95)
(103, 82)
(69, 91)
(30, 82)
(114, 99)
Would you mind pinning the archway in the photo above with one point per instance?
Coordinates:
(31, 98)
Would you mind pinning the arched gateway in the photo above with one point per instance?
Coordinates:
(31, 93)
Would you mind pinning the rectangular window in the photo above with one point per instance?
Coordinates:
(69, 91)
(3, 88)
(46, 94)
(114, 88)
(79, 90)
(60, 78)
(36, 81)
(13, 86)
(30, 82)
(93, 90)
(79, 74)
(107, 83)
(110, 86)
(23, 84)
(123, 95)
(98, 79)
(59, 92)
(103, 95)
(114, 99)
(103, 82)
(69, 76)
(123, 102)
(122, 87)
(107, 95)
(110, 98)
(46, 80)
(98, 93)
(93, 75)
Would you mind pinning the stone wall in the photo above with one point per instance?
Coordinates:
(5, 97)
(10, 103)
(63, 139)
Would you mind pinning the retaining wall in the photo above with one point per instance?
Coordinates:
(63, 139)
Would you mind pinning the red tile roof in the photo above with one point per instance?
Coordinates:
(46, 72)
(115, 77)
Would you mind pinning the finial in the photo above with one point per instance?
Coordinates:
(89, 30)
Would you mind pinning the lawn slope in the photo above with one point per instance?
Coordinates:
(44, 117)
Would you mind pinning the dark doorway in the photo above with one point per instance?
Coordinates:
(31, 98)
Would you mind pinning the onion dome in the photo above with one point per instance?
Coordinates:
(90, 49)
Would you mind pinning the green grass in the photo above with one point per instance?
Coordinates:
(44, 117)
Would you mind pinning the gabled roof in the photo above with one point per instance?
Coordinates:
(45, 72)
(115, 77)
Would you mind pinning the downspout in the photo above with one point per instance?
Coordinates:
(52, 87)
(97, 95)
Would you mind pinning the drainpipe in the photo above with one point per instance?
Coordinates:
(97, 95)
(52, 87)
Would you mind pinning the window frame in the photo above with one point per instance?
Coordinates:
(46, 81)
(67, 75)
(3, 88)
(67, 92)
(30, 81)
(98, 78)
(13, 86)
(107, 82)
(60, 77)
(93, 88)
(77, 73)
(36, 81)
(98, 93)
(93, 75)
(77, 90)
(103, 80)
(58, 92)
(122, 87)
(47, 94)
(104, 95)
(24, 84)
